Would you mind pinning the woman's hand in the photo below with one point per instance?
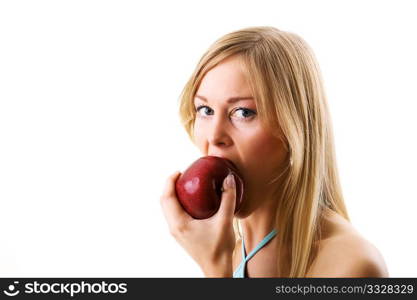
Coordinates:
(210, 242)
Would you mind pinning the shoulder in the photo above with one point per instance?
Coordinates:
(347, 254)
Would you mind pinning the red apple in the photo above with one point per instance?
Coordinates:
(199, 188)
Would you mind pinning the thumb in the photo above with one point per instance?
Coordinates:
(228, 201)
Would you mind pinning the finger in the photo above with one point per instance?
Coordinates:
(171, 207)
(228, 201)
(169, 189)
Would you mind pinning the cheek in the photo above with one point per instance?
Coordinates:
(263, 145)
(198, 134)
(265, 155)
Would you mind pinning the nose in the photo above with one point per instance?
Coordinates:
(218, 134)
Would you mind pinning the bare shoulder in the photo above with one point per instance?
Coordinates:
(345, 253)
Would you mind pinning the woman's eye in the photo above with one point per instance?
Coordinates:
(205, 109)
(241, 112)
(245, 113)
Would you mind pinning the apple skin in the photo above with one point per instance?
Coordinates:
(199, 188)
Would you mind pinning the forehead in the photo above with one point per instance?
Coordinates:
(226, 80)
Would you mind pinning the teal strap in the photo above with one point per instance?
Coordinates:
(240, 271)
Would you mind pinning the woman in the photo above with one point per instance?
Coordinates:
(257, 98)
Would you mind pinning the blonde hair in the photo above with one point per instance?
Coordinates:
(288, 89)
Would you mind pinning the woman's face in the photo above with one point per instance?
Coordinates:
(227, 125)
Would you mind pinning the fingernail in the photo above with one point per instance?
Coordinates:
(230, 181)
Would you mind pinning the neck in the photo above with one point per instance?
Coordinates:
(259, 223)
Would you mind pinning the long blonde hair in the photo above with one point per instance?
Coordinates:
(288, 89)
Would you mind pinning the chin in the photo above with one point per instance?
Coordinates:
(244, 211)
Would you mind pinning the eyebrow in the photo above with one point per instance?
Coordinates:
(230, 100)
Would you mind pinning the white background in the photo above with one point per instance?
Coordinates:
(89, 128)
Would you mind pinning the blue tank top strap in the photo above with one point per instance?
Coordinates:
(240, 271)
